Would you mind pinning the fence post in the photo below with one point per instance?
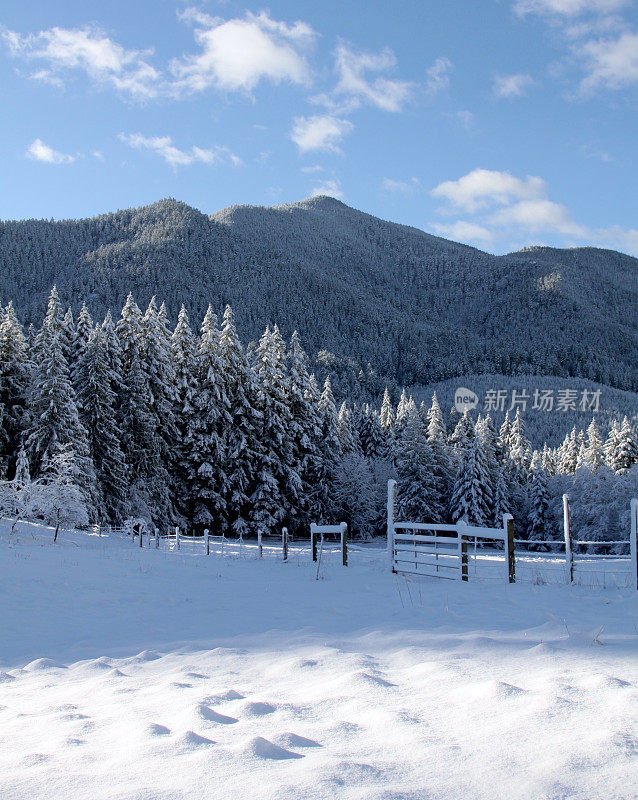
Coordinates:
(207, 540)
(633, 541)
(157, 538)
(177, 537)
(510, 555)
(392, 498)
(567, 528)
(313, 540)
(259, 545)
(141, 535)
(284, 542)
(462, 543)
(344, 543)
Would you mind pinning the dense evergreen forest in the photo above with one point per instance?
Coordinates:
(375, 303)
(105, 421)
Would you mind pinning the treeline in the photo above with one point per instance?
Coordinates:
(102, 422)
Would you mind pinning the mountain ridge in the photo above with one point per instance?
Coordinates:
(417, 307)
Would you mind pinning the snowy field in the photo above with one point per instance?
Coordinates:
(135, 674)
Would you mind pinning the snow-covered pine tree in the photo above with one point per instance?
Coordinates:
(278, 483)
(347, 431)
(56, 435)
(15, 376)
(419, 486)
(68, 335)
(539, 517)
(149, 480)
(242, 444)
(206, 439)
(595, 451)
(501, 503)
(306, 432)
(184, 355)
(463, 433)
(436, 423)
(387, 412)
(519, 450)
(569, 458)
(625, 453)
(472, 493)
(96, 403)
(503, 451)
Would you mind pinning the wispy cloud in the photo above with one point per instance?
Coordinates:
(512, 85)
(609, 63)
(354, 81)
(568, 8)
(463, 231)
(88, 50)
(163, 147)
(330, 187)
(438, 75)
(392, 186)
(319, 132)
(39, 151)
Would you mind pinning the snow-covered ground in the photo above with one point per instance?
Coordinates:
(148, 675)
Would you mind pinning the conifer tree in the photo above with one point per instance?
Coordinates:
(539, 502)
(15, 374)
(625, 453)
(472, 493)
(96, 401)
(419, 489)
(595, 451)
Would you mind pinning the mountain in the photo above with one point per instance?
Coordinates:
(416, 307)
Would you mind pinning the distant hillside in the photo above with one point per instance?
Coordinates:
(540, 426)
(416, 307)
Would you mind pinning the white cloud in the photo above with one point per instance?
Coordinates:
(512, 85)
(163, 146)
(537, 215)
(465, 118)
(610, 63)
(90, 51)
(400, 187)
(463, 231)
(319, 132)
(352, 69)
(39, 151)
(239, 53)
(568, 8)
(484, 187)
(331, 187)
(438, 75)
(506, 207)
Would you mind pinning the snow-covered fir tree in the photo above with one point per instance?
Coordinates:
(472, 492)
(15, 378)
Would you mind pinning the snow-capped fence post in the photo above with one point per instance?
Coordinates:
(259, 544)
(177, 546)
(156, 538)
(207, 540)
(344, 543)
(284, 542)
(508, 538)
(313, 540)
(392, 498)
(633, 541)
(462, 545)
(567, 528)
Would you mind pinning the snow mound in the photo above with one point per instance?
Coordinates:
(490, 690)
(42, 664)
(222, 697)
(257, 709)
(294, 740)
(116, 673)
(191, 740)
(211, 715)
(543, 648)
(6, 678)
(262, 748)
(101, 664)
(155, 729)
(143, 657)
(605, 682)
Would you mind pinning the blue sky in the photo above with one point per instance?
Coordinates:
(501, 123)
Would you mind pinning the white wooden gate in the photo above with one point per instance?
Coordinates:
(438, 550)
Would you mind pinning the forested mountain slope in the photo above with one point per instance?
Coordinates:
(416, 307)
